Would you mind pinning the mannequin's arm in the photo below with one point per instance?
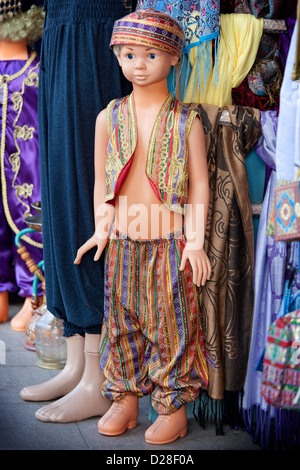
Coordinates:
(197, 207)
(103, 212)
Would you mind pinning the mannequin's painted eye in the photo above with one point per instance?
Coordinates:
(152, 56)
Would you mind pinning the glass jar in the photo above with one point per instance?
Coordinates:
(29, 342)
(50, 343)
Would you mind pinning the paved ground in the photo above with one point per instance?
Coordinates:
(20, 430)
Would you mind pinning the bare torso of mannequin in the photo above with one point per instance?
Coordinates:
(147, 217)
(13, 50)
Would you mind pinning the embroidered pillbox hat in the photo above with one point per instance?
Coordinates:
(149, 28)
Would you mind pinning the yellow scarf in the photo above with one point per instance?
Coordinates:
(240, 35)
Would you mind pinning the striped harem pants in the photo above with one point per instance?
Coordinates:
(152, 341)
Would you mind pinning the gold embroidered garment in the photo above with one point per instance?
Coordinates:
(166, 162)
(19, 157)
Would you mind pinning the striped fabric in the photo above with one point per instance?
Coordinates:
(153, 341)
(149, 28)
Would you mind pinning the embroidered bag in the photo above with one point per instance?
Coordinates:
(281, 364)
(284, 218)
(289, 302)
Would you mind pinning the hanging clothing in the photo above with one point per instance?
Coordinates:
(272, 9)
(288, 136)
(240, 36)
(267, 425)
(20, 169)
(79, 76)
(227, 298)
(244, 96)
(200, 22)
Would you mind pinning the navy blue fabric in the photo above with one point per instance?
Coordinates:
(79, 76)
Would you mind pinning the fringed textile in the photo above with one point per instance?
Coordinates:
(227, 298)
(200, 22)
(240, 37)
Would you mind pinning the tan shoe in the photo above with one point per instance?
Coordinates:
(122, 415)
(167, 428)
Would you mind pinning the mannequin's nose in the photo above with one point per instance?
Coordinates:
(140, 64)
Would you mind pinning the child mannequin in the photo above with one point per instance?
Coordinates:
(152, 340)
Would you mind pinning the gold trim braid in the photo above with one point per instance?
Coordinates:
(4, 84)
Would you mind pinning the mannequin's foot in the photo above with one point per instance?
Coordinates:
(20, 320)
(122, 415)
(167, 428)
(4, 306)
(66, 380)
(86, 400)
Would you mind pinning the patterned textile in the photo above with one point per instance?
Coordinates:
(281, 367)
(153, 339)
(166, 163)
(198, 19)
(145, 27)
(227, 298)
(243, 96)
(200, 23)
(287, 205)
(265, 77)
(268, 426)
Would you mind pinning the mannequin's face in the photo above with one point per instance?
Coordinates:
(143, 65)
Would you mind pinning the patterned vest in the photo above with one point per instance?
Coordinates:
(166, 161)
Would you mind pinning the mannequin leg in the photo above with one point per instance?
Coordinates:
(66, 380)
(4, 306)
(86, 400)
(20, 320)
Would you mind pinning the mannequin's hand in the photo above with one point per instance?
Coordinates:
(200, 264)
(88, 245)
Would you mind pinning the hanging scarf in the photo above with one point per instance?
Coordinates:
(227, 298)
(199, 20)
(239, 41)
